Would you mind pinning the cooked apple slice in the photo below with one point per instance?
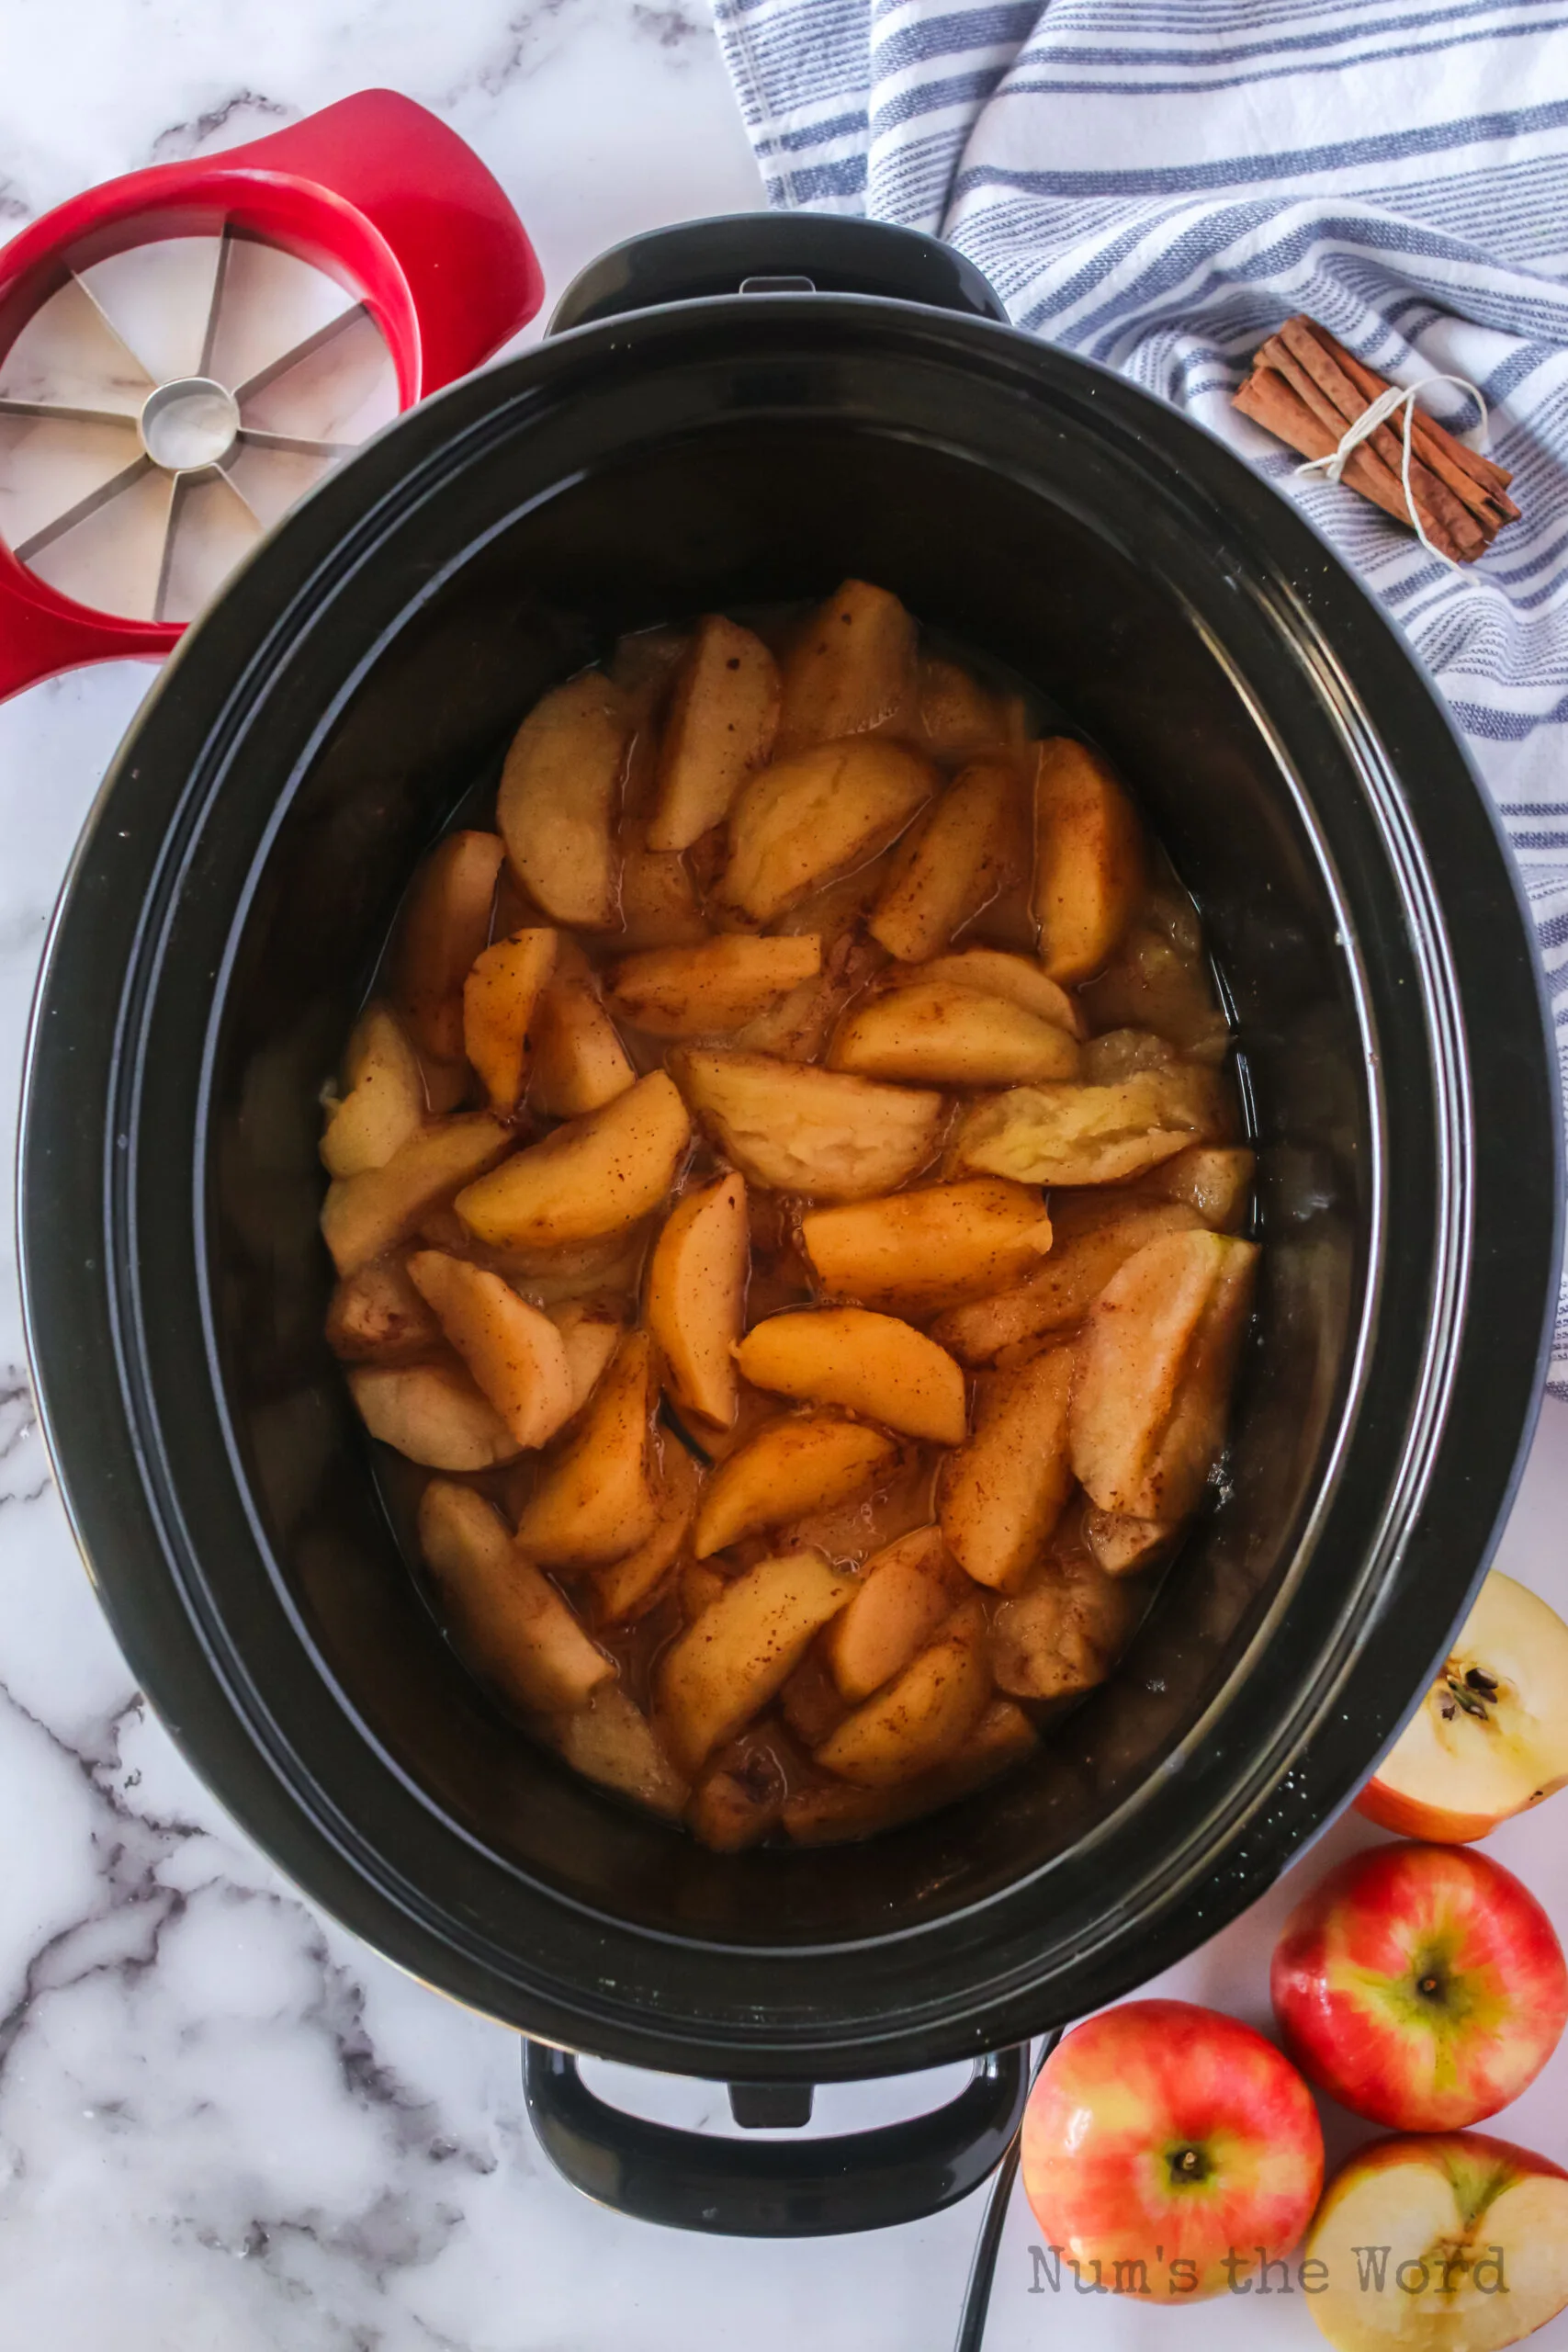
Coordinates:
(1065, 1633)
(723, 715)
(954, 864)
(590, 1335)
(514, 1352)
(1016, 978)
(870, 1364)
(598, 1175)
(803, 1130)
(925, 1250)
(1089, 1135)
(698, 1587)
(364, 1215)
(659, 907)
(511, 1620)
(1001, 1495)
(798, 1026)
(960, 716)
(579, 1063)
(432, 1413)
(1154, 1384)
(724, 983)
(809, 1701)
(937, 1034)
(444, 924)
(796, 824)
(499, 1000)
(802, 1463)
(738, 1802)
(743, 1647)
(1062, 1290)
(596, 1501)
(611, 1741)
(644, 664)
(378, 1316)
(1121, 1544)
(695, 1297)
(556, 806)
(853, 668)
(1491, 1737)
(383, 1103)
(629, 1587)
(923, 1716)
(904, 1591)
(831, 1811)
(1089, 868)
(1150, 984)
(1213, 1179)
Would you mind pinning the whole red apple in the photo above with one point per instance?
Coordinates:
(1429, 2245)
(1420, 1986)
(1167, 2150)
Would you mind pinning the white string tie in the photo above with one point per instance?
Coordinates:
(1400, 396)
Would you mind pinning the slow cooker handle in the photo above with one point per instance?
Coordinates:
(775, 252)
(772, 2188)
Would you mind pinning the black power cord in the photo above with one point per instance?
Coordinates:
(982, 2269)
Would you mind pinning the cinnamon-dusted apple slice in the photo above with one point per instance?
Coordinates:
(1152, 984)
(1060, 1291)
(720, 985)
(723, 716)
(959, 716)
(796, 1027)
(596, 1176)
(611, 1741)
(1121, 1544)
(695, 1297)
(851, 667)
(935, 1034)
(952, 863)
(871, 1364)
(830, 1813)
(444, 924)
(514, 1352)
(922, 1250)
(596, 1501)
(726, 1667)
(659, 905)
(578, 1062)
(922, 1717)
(556, 806)
(433, 1413)
(508, 1618)
(802, 1130)
(383, 1103)
(796, 824)
(1089, 866)
(378, 1316)
(739, 1799)
(992, 972)
(1001, 1495)
(1148, 1416)
(365, 1214)
(629, 1587)
(1091, 1134)
(904, 1593)
(798, 1463)
(1213, 1179)
(1065, 1633)
(590, 1335)
(500, 997)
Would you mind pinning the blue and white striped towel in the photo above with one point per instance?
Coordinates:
(1159, 184)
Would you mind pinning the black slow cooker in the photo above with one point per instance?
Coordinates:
(744, 412)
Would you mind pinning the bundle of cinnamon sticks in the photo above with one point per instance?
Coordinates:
(1305, 387)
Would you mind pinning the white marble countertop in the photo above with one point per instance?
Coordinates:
(222, 2121)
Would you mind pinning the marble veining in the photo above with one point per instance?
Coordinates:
(223, 2120)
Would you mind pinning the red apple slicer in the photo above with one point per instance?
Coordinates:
(185, 351)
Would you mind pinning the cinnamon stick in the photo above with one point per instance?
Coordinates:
(1270, 402)
(1440, 448)
(1446, 516)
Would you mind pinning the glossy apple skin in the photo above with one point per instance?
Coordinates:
(1410, 1816)
(1348, 1981)
(1117, 2104)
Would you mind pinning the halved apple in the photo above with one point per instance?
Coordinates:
(870, 1364)
(510, 1618)
(924, 1715)
(925, 1250)
(556, 803)
(937, 1033)
(852, 669)
(514, 1353)
(798, 1463)
(952, 863)
(500, 996)
(432, 1413)
(720, 985)
(596, 1501)
(904, 1591)
(802, 1130)
(726, 1666)
(696, 1296)
(598, 1175)
(443, 925)
(723, 716)
(1001, 1493)
(796, 824)
(1089, 860)
(383, 1103)
(1491, 1737)
(365, 1214)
